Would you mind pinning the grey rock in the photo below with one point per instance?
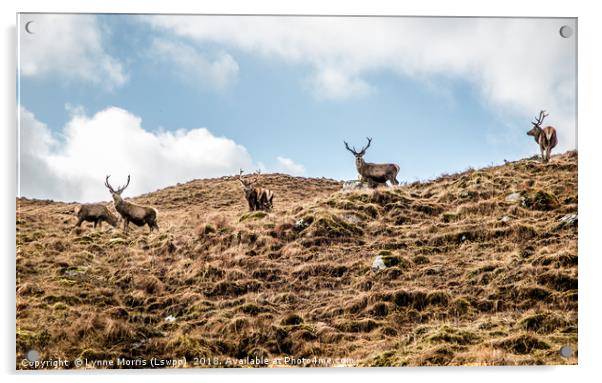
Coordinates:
(354, 185)
(378, 264)
(569, 220)
(514, 197)
(301, 224)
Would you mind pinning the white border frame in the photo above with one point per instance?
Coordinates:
(590, 87)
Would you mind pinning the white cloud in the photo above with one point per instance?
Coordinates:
(219, 73)
(519, 66)
(288, 166)
(35, 144)
(332, 84)
(113, 142)
(69, 46)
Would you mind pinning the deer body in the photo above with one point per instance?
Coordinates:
(375, 174)
(130, 212)
(96, 213)
(136, 214)
(545, 137)
(257, 198)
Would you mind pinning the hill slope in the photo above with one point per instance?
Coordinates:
(481, 268)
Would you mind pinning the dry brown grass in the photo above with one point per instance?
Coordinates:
(463, 286)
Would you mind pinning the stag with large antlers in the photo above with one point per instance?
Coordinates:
(545, 137)
(257, 198)
(375, 174)
(136, 214)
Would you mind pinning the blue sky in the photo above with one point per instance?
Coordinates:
(437, 96)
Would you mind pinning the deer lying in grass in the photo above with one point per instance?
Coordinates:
(545, 137)
(375, 174)
(257, 198)
(97, 213)
(136, 214)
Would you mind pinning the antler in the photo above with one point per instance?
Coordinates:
(245, 184)
(539, 120)
(351, 150)
(122, 188)
(363, 151)
(109, 185)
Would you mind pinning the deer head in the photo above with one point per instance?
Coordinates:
(245, 184)
(116, 194)
(537, 124)
(249, 184)
(257, 176)
(358, 155)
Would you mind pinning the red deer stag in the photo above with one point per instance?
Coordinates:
(96, 213)
(375, 174)
(257, 198)
(545, 137)
(136, 214)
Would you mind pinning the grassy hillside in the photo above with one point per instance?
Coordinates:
(480, 269)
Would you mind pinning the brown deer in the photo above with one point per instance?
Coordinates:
(136, 214)
(257, 198)
(375, 174)
(545, 137)
(97, 213)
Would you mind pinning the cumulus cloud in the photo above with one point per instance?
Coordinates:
(519, 66)
(190, 64)
(113, 141)
(69, 46)
(288, 166)
(35, 144)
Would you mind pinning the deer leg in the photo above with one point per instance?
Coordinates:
(548, 152)
(153, 225)
(125, 225)
(95, 223)
(544, 155)
(100, 223)
(79, 222)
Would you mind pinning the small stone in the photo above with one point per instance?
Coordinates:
(505, 219)
(352, 218)
(569, 220)
(300, 224)
(170, 318)
(378, 264)
(354, 185)
(514, 197)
